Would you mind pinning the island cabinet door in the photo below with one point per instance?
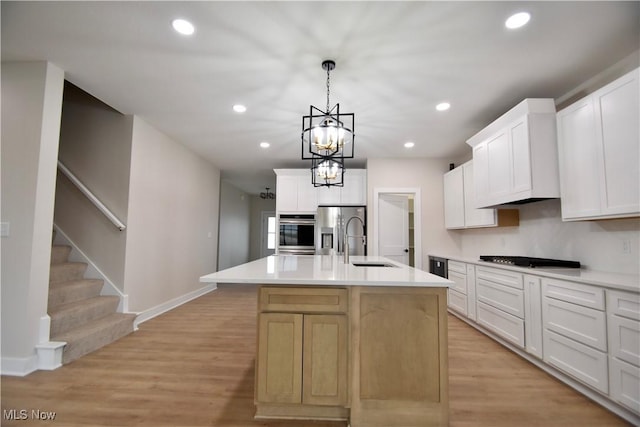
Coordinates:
(399, 357)
(325, 360)
(279, 358)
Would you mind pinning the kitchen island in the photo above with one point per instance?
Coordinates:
(364, 341)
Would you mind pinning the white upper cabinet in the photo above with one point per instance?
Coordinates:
(454, 198)
(354, 191)
(599, 152)
(296, 194)
(459, 201)
(515, 157)
(294, 191)
(474, 217)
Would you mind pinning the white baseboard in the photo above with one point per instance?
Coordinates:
(18, 366)
(574, 384)
(93, 272)
(171, 304)
(50, 355)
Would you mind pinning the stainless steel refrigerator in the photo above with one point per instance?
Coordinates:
(330, 230)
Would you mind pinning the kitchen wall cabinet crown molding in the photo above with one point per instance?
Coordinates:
(515, 157)
(599, 152)
(296, 194)
(459, 202)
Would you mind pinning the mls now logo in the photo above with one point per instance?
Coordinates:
(24, 414)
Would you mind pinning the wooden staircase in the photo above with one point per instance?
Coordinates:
(80, 316)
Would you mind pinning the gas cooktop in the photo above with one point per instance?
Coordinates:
(523, 261)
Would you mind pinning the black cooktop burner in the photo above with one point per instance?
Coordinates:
(523, 261)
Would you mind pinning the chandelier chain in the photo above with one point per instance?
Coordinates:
(328, 89)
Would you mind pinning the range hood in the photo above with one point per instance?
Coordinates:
(516, 158)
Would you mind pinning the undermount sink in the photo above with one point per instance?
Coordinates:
(371, 264)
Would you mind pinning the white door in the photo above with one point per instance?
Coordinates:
(393, 211)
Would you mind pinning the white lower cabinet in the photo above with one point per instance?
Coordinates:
(624, 381)
(575, 331)
(585, 325)
(505, 325)
(623, 326)
(457, 294)
(504, 298)
(586, 332)
(533, 315)
(500, 303)
(457, 301)
(624, 339)
(578, 360)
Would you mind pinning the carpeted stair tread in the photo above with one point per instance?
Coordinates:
(60, 253)
(65, 271)
(74, 314)
(94, 334)
(73, 290)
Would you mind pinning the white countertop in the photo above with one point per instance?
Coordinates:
(625, 282)
(325, 270)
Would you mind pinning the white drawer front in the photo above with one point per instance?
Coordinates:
(624, 380)
(582, 324)
(580, 361)
(624, 339)
(623, 304)
(504, 277)
(457, 301)
(577, 293)
(459, 281)
(507, 326)
(457, 266)
(505, 298)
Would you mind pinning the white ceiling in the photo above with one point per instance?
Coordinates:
(395, 62)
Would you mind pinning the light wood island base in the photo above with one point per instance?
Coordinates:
(374, 355)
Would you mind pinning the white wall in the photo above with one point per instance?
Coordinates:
(426, 174)
(596, 244)
(258, 206)
(95, 144)
(233, 247)
(172, 219)
(31, 109)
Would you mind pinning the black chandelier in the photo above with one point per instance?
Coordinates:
(267, 194)
(327, 139)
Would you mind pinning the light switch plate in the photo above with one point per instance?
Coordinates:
(4, 229)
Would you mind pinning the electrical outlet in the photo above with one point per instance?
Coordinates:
(626, 246)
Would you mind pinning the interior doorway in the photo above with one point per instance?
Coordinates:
(269, 234)
(396, 230)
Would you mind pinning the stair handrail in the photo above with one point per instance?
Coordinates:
(92, 198)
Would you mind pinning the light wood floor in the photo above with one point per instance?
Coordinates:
(193, 366)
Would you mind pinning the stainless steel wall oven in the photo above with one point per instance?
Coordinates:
(297, 234)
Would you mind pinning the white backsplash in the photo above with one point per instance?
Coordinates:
(606, 245)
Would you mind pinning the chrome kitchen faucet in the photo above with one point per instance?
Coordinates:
(346, 237)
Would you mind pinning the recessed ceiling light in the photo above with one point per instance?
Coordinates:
(183, 26)
(517, 20)
(239, 108)
(443, 106)
(265, 144)
(409, 144)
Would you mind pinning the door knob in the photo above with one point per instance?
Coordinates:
(406, 250)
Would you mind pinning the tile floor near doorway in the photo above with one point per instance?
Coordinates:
(194, 366)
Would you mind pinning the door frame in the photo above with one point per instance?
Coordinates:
(417, 223)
